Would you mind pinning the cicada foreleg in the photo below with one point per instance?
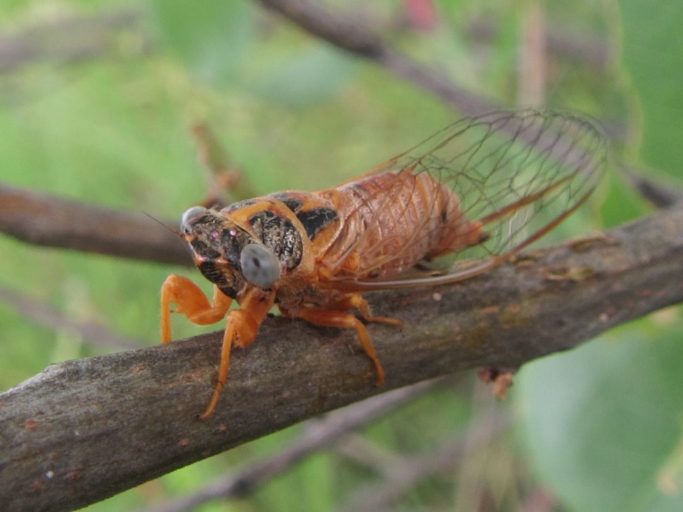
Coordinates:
(191, 301)
(242, 326)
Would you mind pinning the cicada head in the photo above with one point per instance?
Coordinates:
(257, 251)
(226, 254)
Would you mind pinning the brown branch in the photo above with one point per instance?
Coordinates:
(83, 430)
(352, 34)
(657, 191)
(69, 39)
(320, 433)
(42, 219)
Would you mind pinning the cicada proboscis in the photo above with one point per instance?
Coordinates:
(483, 188)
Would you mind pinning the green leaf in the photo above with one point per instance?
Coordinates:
(212, 37)
(604, 422)
(313, 74)
(653, 57)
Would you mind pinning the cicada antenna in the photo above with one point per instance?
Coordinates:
(168, 228)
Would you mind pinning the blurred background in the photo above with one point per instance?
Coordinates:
(97, 102)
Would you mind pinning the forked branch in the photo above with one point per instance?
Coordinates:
(83, 430)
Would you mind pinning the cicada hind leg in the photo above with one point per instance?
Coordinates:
(242, 324)
(341, 317)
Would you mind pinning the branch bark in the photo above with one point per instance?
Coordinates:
(352, 34)
(52, 221)
(83, 430)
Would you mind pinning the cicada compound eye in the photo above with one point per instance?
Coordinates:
(190, 216)
(260, 266)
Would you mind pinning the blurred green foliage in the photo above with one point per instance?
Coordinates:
(600, 426)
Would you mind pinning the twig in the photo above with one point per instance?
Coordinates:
(406, 476)
(660, 194)
(318, 435)
(70, 39)
(531, 74)
(568, 44)
(361, 450)
(353, 35)
(46, 315)
(226, 182)
(83, 430)
(42, 219)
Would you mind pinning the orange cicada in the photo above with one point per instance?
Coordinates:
(483, 189)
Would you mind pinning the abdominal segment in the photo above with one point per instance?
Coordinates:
(392, 220)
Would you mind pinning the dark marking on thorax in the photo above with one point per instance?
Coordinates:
(280, 235)
(316, 220)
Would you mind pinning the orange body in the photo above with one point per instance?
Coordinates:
(376, 227)
(312, 253)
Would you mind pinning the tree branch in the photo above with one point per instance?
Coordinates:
(52, 221)
(352, 34)
(83, 430)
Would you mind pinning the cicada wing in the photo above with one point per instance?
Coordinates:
(516, 176)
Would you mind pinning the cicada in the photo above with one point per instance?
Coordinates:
(481, 190)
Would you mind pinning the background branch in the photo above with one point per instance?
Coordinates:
(352, 34)
(318, 435)
(52, 221)
(448, 454)
(83, 430)
(42, 313)
(71, 39)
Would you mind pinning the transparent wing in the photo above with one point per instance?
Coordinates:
(516, 176)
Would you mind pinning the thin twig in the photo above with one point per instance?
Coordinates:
(43, 314)
(657, 192)
(318, 435)
(352, 34)
(360, 450)
(404, 477)
(569, 44)
(71, 39)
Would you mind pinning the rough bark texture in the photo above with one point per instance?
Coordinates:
(83, 430)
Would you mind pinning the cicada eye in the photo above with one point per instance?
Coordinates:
(190, 216)
(259, 266)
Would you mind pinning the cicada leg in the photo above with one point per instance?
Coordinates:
(242, 326)
(346, 320)
(356, 300)
(191, 301)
